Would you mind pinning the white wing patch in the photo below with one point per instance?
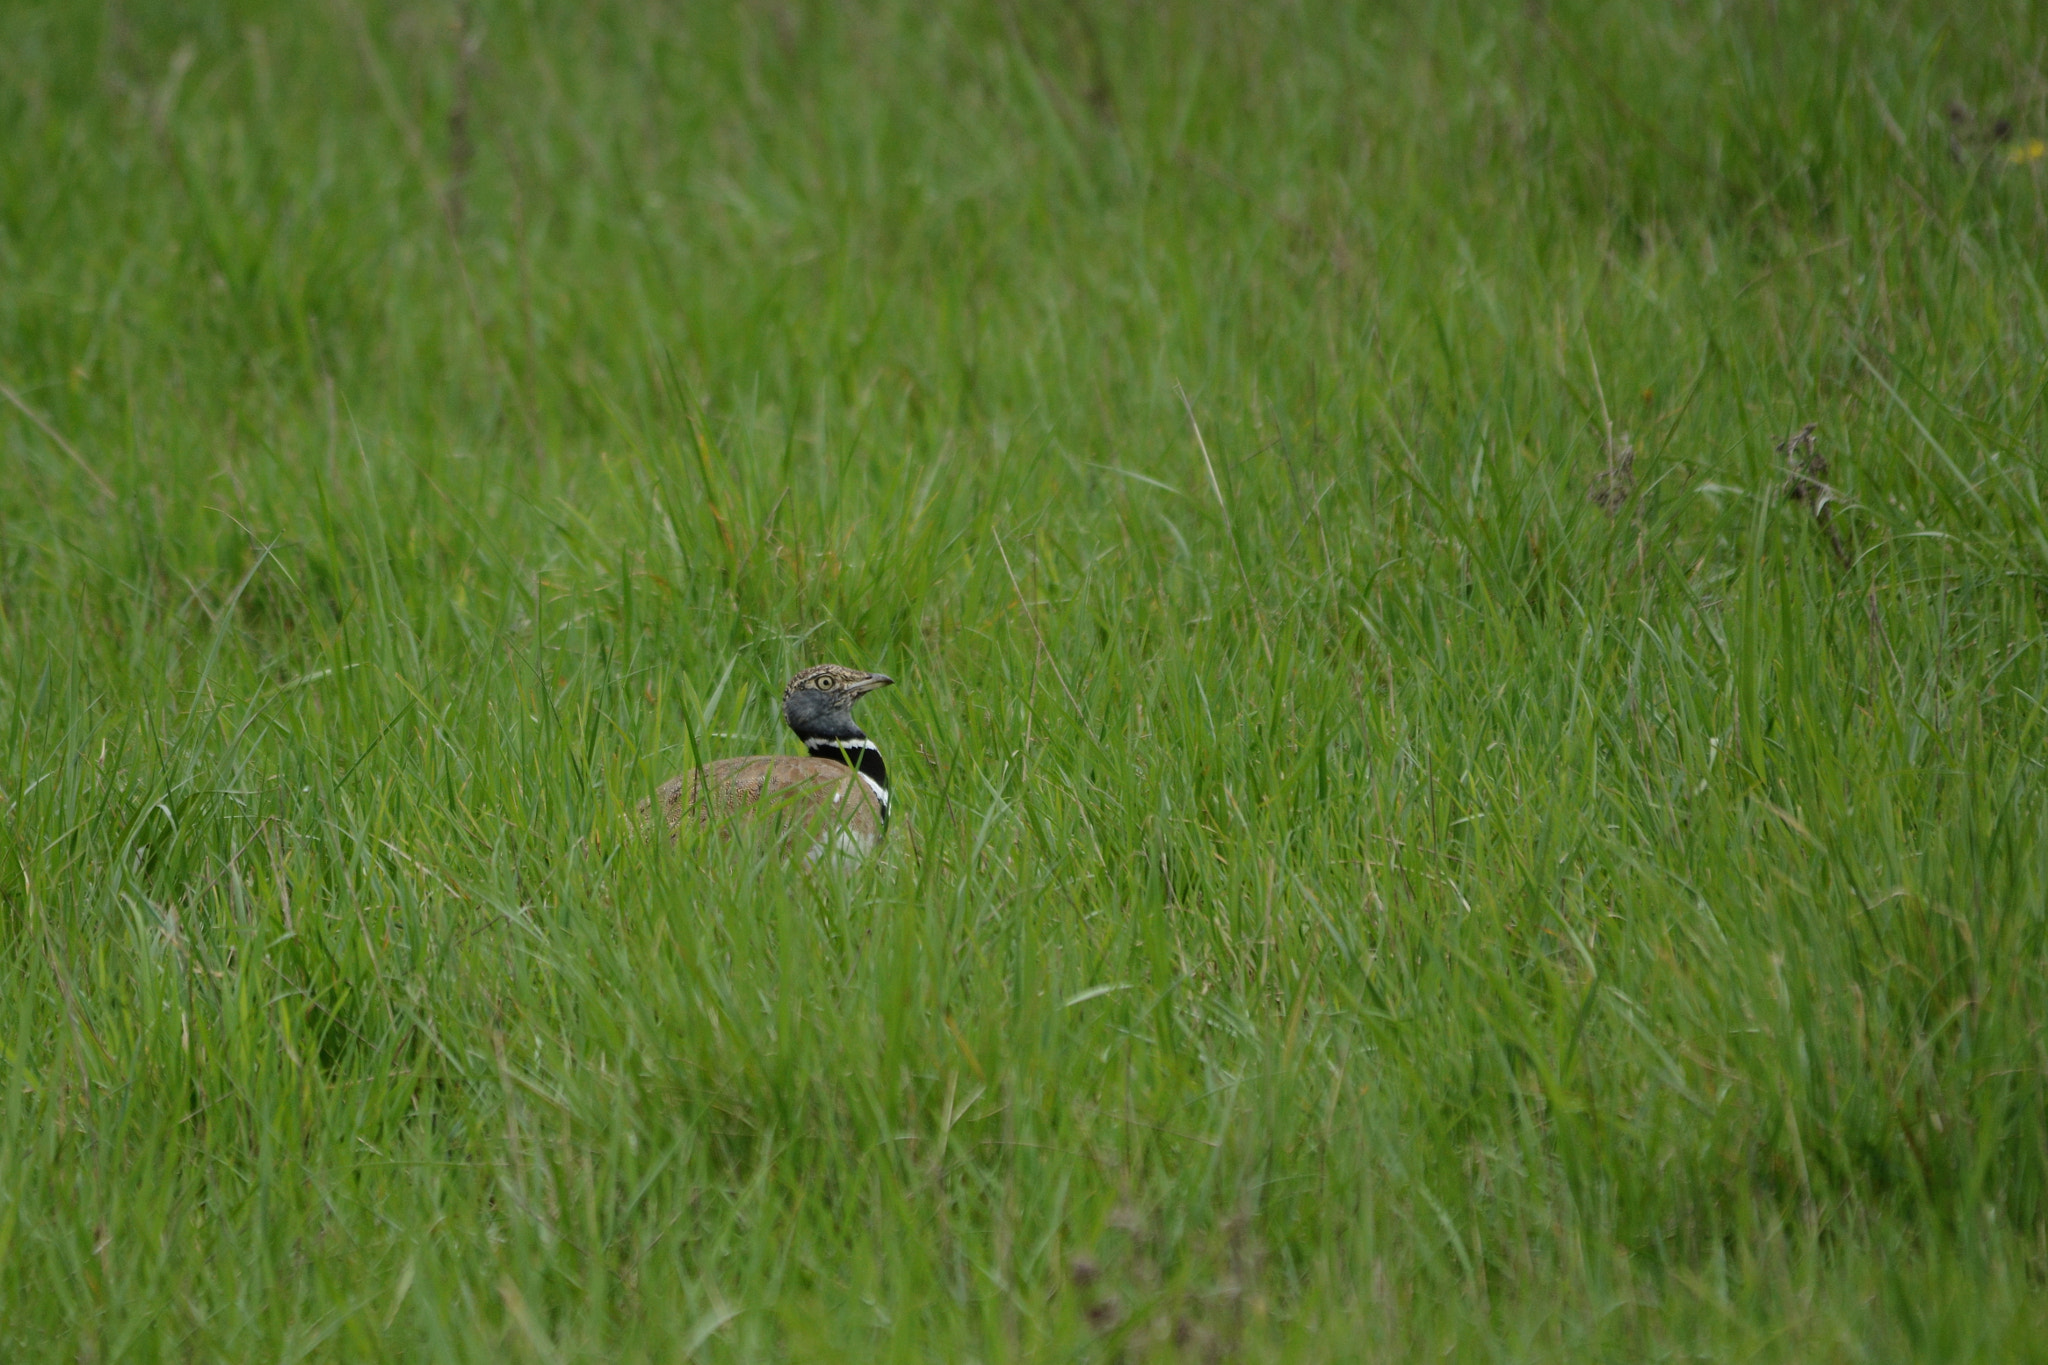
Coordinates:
(844, 848)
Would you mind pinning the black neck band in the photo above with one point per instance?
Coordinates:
(864, 758)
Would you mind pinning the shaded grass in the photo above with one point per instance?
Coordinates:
(1356, 895)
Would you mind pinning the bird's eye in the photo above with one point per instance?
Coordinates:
(826, 684)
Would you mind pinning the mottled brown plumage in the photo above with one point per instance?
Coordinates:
(833, 799)
(814, 798)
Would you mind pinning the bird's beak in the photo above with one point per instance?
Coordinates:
(872, 682)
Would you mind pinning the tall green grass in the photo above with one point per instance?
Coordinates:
(1355, 896)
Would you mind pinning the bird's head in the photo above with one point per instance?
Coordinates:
(818, 703)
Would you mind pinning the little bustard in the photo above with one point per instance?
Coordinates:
(836, 794)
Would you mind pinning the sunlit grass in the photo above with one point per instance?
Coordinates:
(1378, 872)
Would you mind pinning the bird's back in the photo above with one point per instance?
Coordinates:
(796, 795)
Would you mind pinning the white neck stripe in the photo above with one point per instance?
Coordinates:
(844, 748)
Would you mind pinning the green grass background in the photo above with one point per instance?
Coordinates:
(1353, 897)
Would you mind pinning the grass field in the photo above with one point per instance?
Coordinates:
(1423, 833)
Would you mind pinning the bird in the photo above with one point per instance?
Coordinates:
(837, 792)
